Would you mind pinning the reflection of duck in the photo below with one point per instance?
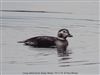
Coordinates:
(49, 41)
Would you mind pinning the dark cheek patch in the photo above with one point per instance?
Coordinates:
(60, 35)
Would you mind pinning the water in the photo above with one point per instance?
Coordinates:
(83, 47)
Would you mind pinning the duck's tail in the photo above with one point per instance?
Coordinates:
(21, 42)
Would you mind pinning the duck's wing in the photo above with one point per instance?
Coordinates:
(45, 38)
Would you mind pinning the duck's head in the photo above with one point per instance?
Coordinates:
(64, 33)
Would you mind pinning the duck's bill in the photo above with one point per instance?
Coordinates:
(70, 35)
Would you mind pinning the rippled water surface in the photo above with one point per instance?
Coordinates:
(83, 47)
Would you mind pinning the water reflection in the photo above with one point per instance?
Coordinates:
(64, 53)
(64, 57)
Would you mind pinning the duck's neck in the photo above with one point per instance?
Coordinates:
(61, 38)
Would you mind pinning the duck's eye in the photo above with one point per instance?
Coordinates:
(64, 31)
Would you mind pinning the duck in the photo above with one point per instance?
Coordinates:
(60, 42)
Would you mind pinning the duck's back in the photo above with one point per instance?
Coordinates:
(41, 41)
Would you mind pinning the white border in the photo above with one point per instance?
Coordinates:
(1, 38)
(39, 1)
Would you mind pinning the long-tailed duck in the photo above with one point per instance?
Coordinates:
(49, 41)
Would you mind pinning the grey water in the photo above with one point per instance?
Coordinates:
(83, 46)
